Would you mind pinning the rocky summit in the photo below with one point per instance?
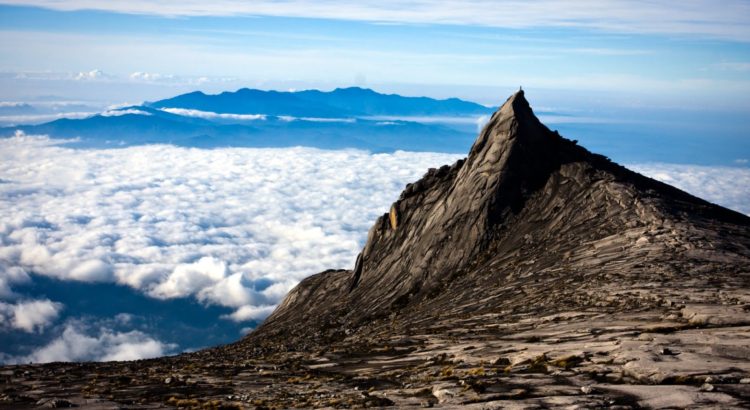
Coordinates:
(532, 274)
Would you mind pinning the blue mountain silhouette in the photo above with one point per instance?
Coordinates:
(341, 102)
(342, 118)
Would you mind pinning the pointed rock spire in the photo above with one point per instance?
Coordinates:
(443, 221)
(524, 203)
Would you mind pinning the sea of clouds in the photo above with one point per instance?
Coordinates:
(233, 227)
(726, 186)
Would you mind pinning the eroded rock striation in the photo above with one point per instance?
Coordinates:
(529, 222)
(532, 274)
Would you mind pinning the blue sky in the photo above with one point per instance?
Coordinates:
(673, 77)
(611, 52)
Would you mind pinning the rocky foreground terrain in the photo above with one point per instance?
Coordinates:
(532, 274)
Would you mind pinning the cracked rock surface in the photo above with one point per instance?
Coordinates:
(532, 274)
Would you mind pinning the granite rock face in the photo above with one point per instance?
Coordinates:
(532, 274)
(527, 208)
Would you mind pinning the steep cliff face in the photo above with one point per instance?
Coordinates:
(439, 224)
(529, 221)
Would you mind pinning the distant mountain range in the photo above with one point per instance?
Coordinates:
(342, 118)
(341, 102)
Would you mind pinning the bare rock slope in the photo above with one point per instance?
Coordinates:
(532, 274)
(529, 223)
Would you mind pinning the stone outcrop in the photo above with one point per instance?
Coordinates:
(527, 207)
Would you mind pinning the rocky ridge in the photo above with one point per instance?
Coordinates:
(532, 274)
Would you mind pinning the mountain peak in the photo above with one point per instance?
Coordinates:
(353, 90)
(514, 119)
(516, 105)
(517, 98)
(444, 221)
(524, 201)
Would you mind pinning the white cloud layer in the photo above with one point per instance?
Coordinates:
(689, 17)
(235, 227)
(9, 276)
(127, 111)
(40, 118)
(726, 186)
(213, 115)
(29, 316)
(289, 118)
(76, 344)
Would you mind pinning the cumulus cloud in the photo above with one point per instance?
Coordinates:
(29, 316)
(90, 75)
(251, 313)
(213, 115)
(191, 278)
(697, 17)
(234, 227)
(10, 275)
(76, 344)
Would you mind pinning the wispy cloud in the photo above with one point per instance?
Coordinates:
(289, 118)
(693, 17)
(91, 75)
(144, 76)
(97, 75)
(213, 115)
(601, 51)
(733, 66)
(121, 112)
(171, 79)
(39, 118)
